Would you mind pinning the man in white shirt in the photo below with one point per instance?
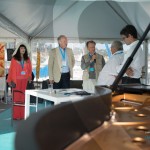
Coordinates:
(134, 72)
(109, 72)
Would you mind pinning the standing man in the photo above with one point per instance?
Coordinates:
(109, 72)
(92, 63)
(134, 72)
(61, 63)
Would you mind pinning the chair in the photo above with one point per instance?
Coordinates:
(44, 86)
(76, 84)
(33, 99)
(17, 105)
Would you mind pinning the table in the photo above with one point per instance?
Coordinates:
(60, 95)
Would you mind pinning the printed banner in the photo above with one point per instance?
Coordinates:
(38, 64)
(2, 59)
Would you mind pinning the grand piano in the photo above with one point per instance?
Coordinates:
(132, 94)
(115, 118)
(131, 104)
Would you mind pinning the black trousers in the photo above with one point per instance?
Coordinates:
(64, 81)
(128, 80)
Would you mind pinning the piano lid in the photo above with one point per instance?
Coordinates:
(134, 88)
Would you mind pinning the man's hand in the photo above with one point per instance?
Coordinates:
(51, 81)
(93, 57)
(130, 72)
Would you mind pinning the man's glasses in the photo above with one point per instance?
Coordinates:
(124, 37)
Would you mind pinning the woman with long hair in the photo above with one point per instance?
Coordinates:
(20, 72)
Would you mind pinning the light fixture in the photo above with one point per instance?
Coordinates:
(138, 140)
(141, 128)
(141, 115)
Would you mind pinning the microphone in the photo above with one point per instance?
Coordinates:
(94, 59)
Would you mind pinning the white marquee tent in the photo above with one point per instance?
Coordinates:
(38, 19)
(100, 20)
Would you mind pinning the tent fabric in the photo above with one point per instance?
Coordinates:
(31, 19)
(9, 26)
(6, 34)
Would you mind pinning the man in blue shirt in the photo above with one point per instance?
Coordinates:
(61, 63)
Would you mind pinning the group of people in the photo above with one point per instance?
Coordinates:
(95, 71)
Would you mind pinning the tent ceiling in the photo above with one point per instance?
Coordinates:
(7, 34)
(76, 19)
